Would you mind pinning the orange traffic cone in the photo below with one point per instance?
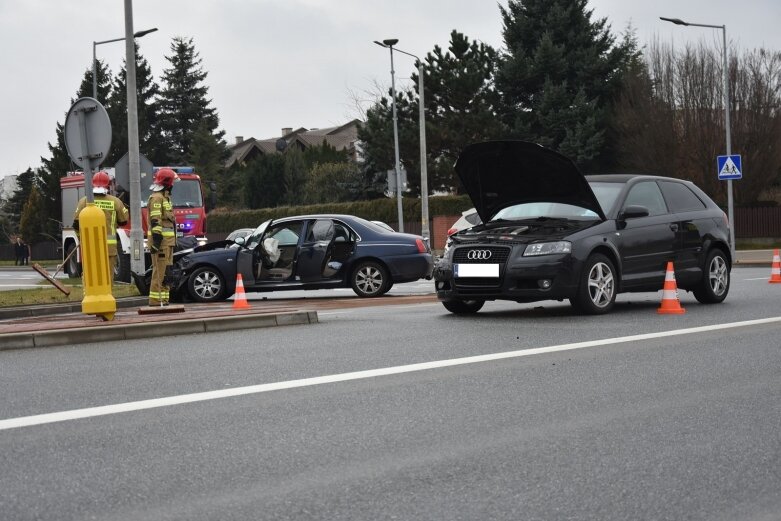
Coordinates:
(775, 270)
(670, 304)
(240, 298)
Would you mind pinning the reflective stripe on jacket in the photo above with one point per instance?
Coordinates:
(161, 218)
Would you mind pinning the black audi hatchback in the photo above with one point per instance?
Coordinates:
(550, 232)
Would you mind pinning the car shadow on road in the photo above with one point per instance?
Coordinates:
(557, 310)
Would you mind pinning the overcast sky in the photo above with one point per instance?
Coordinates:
(292, 63)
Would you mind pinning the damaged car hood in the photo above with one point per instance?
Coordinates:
(498, 174)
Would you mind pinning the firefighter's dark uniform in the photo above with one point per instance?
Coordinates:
(161, 237)
(116, 214)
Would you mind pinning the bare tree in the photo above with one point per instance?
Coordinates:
(671, 120)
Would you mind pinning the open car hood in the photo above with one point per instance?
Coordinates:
(498, 174)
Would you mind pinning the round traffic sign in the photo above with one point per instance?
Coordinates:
(94, 142)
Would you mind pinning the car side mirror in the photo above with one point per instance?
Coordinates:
(633, 211)
(240, 241)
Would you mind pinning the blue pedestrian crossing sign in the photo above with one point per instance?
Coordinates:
(729, 167)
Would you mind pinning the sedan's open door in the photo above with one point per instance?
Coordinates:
(314, 251)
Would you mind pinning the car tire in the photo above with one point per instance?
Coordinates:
(122, 270)
(369, 279)
(73, 266)
(206, 284)
(714, 286)
(463, 307)
(597, 286)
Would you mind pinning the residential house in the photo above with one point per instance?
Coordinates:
(344, 137)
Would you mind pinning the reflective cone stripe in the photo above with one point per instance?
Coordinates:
(240, 298)
(775, 270)
(670, 303)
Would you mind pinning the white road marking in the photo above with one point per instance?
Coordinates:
(760, 278)
(90, 412)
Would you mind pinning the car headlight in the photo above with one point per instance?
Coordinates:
(547, 248)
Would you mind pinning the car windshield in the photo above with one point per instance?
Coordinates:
(549, 210)
(253, 239)
(606, 193)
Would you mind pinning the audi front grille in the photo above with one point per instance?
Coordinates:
(481, 255)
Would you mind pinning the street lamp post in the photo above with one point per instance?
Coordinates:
(389, 44)
(139, 34)
(725, 80)
(422, 124)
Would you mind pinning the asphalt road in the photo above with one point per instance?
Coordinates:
(627, 416)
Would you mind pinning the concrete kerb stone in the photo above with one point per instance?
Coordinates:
(137, 331)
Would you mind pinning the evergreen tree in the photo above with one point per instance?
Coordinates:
(207, 155)
(104, 81)
(376, 134)
(264, 181)
(560, 73)
(462, 107)
(333, 183)
(184, 103)
(15, 203)
(462, 104)
(148, 110)
(324, 153)
(295, 176)
(33, 221)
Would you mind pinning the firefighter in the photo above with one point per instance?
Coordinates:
(161, 235)
(115, 211)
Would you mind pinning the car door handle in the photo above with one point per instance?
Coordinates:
(674, 227)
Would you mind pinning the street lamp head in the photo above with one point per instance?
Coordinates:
(139, 34)
(676, 21)
(391, 42)
(380, 44)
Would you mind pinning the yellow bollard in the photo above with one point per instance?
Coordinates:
(96, 278)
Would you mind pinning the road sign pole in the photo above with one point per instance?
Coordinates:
(87, 159)
(730, 206)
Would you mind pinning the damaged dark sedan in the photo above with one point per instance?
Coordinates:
(550, 232)
(303, 252)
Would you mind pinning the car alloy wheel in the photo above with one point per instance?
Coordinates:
(715, 280)
(597, 289)
(601, 285)
(206, 285)
(369, 279)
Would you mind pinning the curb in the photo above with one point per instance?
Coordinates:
(56, 309)
(134, 331)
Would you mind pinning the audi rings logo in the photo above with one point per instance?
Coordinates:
(478, 254)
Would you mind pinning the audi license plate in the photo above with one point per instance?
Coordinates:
(475, 270)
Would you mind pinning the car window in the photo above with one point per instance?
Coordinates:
(321, 230)
(606, 194)
(647, 194)
(680, 198)
(287, 233)
(341, 233)
(472, 218)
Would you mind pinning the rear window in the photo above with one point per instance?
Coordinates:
(680, 198)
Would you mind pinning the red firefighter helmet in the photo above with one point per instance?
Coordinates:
(100, 183)
(165, 177)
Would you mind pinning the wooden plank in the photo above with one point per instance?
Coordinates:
(54, 282)
(151, 310)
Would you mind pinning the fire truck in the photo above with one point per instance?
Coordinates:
(190, 210)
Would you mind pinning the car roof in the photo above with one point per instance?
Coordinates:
(625, 178)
